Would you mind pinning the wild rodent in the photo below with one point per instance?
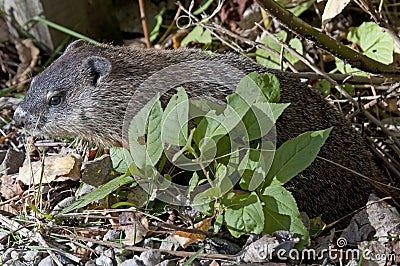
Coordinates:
(86, 92)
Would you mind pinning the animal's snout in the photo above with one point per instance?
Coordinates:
(20, 117)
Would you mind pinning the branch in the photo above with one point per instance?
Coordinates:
(323, 41)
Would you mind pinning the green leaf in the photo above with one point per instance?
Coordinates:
(206, 136)
(202, 107)
(296, 154)
(121, 159)
(204, 201)
(348, 69)
(256, 93)
(222, 180)
(158, 22)
(266, 58)
(272, 60)
(296, 44)
(145, 134)
(206, 37)
(203, 7)
(207, 127)
(175, 118)
(99, 193)
(374, 42)
(243, 214)
(256, 87)
(251, 89)
(193, 183)
(262, 118)
(198, 35)
(218, 223)
(254, 166)
(281, 212)
(323, 86)
(300, 8)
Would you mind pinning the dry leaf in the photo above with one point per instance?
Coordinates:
(9, 187)
(392, 105)
(332, 9)
(56, 168)
(135, 226)
(9, 209)
(99, 171)
(28, 55)
(214, 263)
(186, 238)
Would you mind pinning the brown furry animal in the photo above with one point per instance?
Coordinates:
(86, 92)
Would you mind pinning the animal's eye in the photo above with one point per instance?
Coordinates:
(55, 100)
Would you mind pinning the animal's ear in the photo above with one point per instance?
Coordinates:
(74, 44)
(99, 68)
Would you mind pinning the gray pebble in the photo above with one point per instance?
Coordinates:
(31, 255)
(14, 263)
(109, 253)
(112, 235)
(104, 261)
(100, 249)
(7, 254)
(169, 244)
(167, 263)
(132, 262)
(48, 261)
(15, 255)
(151, 257)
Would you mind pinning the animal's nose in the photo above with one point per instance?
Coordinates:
(20, 117)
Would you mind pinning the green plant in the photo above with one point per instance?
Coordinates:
(221, 146)
(373, 43)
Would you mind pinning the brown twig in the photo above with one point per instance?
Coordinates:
(312, 66)
(140, 249)
(144, 23)
(178, 12)
(354, 212)
(372, 181)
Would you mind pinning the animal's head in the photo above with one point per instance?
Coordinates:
(62, 100)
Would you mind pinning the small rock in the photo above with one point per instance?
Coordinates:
(90, 263)
(15, 255)
(100, 249)
(48, 261)
(260, 250)
(151, 257)
(104, 261)
(14, 263)
(111, 235)
(167, 263)
(132, 262)
(13, 160)
(56, 168)
(62, 204)
(85, 189)
(31, 255)
(148, 243)
(169, 244)
(7, 254)
(109, 253)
